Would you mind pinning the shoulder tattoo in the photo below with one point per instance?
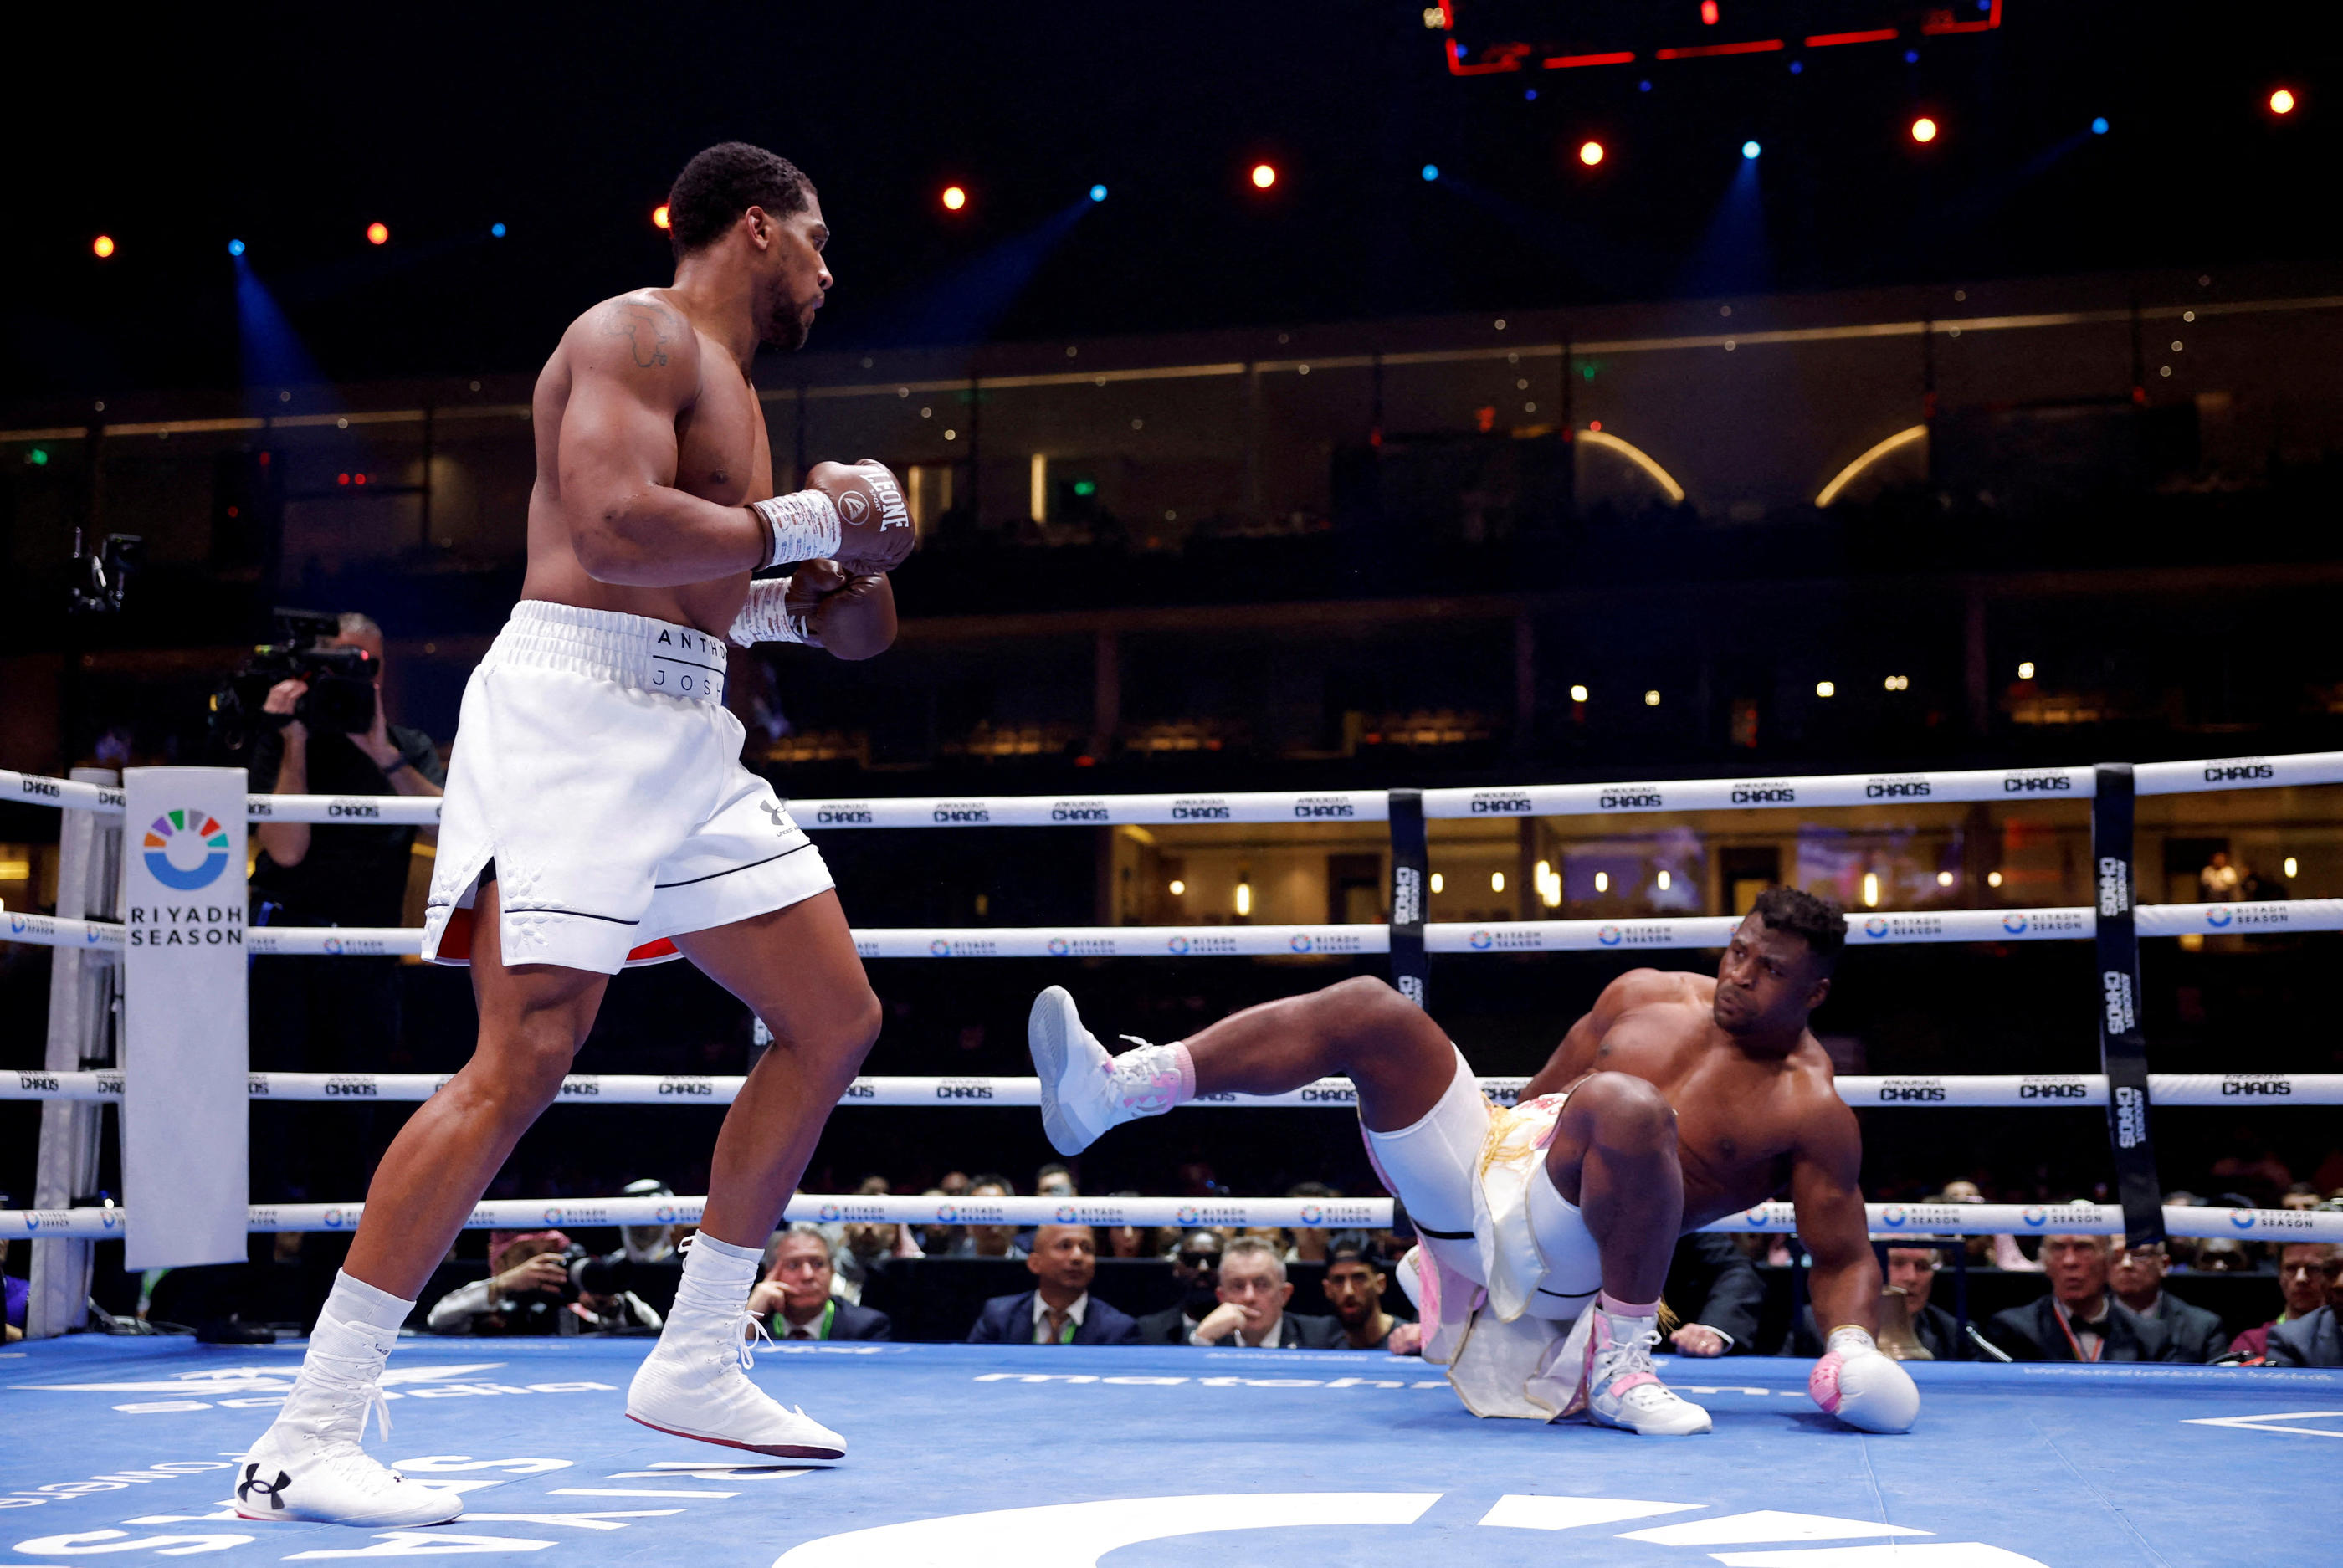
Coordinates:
(646, 328)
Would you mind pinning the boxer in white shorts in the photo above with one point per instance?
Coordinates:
(1545, 1232)
(597, 813)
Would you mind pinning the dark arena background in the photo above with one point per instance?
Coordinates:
(1469, 494)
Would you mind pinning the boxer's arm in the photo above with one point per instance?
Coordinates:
(634, 369)
(1581, 1048)
(1825, 1186)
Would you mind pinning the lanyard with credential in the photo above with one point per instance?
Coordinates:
(2072, 1339)
(828, 1316)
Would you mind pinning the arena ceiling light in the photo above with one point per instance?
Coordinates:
(1924, 130)
(659, 216)
(2281, 101)
(1264, 176)
(1590, 153)
(102, 246)
(378, 234)
(954, 198)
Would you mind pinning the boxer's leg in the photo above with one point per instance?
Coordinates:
(1614, 1156)
(1610, 1175)
(533, 1018)
(1399, 1058)
(797, 970)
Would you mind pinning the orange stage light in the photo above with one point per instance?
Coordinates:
(1924, 129)
(659, 216)
(2281, 102)
(1590, 153)
(955, 198)
(1263, 176)
(102, 246)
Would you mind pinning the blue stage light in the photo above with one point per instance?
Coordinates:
(497, 229)
(1530, 96)
(1911, 56)
(2100, 127)
(236, 247)
(1432, 171)
(1750, 150)
(1643, 86)
(1098, 193)
(1797, 68)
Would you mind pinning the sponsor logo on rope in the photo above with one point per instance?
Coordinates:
(2114, 887)
(336, 1218)
(2036, 783)
(697, 1088)
(28, 1081)
(1480, 940)
(1346, 1095)
(1875, 927)
(1176, 945)
(45, 788)
(952, 812)
(1407, 896)
(2053, 1088)
(187, 834)
(861, 1089)
(1311, 1213)
(2123, 1017)
(964, 1088)
(353, 1086)
(2242, 1219)
(1892, 1216)
(582, 1087)
(2131, 1117)
(1765, 792)
(1058, 948)
(1509, 939)
(1897, 789)
(845, 814)
(1656, 934)
(1903, 1091)
(1316, 807)
(1065, 1214)
(827, 1213)
(366, 811)
(1299, 941)
(2013, 923)
(1186, 1215)
(1630, 798)
(2218, 916)
(1206, 809)
(2034, 1216)
(2245, 769)
(1489, 803)
(2235, 1086)
(946, 1213)
(1080, 811)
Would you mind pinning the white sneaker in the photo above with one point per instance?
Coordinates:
(309, 1466)
(1622, 1390)
(695, 1383)
(1084, 1090)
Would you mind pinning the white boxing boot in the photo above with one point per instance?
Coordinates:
(1618, 1386)
(308, 1465)
(695, 1383)
(1084, 1090)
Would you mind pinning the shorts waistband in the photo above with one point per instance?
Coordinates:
(633, 650)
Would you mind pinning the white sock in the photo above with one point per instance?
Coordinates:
(717, 1275)
(353, 1301)
(1152, 1079)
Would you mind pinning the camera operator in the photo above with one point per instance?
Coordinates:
(329, 1014)
(532, 1289)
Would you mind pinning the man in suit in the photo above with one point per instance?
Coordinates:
(1059, 1310)
(1912, 1267)
(1196, 1266)
(2305, 1271)
(1253, 1292)
(2079, 1320)
(796, 1299)
(1714, 1289)
(2137, 1277)
(2314, 1340)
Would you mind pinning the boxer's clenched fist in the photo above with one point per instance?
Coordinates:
(852, 513)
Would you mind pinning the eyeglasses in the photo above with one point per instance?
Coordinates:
(1200, 1260)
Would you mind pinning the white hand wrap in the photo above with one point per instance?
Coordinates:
(802, 526)
(766, 617)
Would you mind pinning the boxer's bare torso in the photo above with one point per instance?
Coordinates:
(647, 346)
(1745, 1120)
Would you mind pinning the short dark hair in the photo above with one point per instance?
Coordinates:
(1820, 920)
(1353, 1248)
(719, 184)
(992, 1179)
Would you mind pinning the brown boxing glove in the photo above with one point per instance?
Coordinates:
(875, 533)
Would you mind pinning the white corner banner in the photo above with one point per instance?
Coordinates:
(184, 1039)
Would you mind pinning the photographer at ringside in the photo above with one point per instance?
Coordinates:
(329, 1014)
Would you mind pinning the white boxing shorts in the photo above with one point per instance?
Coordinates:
(1474, 1182)
(596, 776)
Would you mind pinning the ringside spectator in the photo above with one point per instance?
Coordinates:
(796, 1296)
(1912, 1268)
(532, 1292)
(1253, 1292)
(2079, 1320)
(1354, 1288)
(1196, 1267)
(2303, 1272)
(1059, 1310)
(2137, 1277)
(1715, 1289)
(991, 1241)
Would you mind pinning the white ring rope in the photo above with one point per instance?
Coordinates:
(1864, 929)
(1919, 1091)
(1887, 1220)
(1349, 805)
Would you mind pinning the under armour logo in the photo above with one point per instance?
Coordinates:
(772, 808)
(269, 1489)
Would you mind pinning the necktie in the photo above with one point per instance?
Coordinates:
(1057, 1322)
(800, 1332)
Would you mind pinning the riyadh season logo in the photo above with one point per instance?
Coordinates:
(1058, 948)
(1176, 945)
(1300, 943)
(828, 1213)
(1875, 927)
(1609, 936)
(1893, 1215)
(2034, 1216)
(2013, 923)
(946, 1213)
(940, 948)
(1186, 1215)
(182, 836)
(2218, 916)
(2243, 1219)
(1311, 1213)
(1480, 941)
(1065, 1212)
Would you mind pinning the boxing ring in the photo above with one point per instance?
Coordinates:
(1144, 1457)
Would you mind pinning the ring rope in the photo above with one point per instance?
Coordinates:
(1914, 1090)
(1885, 1220)
(1864, 929)
(1353, 804)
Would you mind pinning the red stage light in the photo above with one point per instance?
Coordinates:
(1708, 13)
(378, 234)
(1590, 153)
(1263, 176)
(1924, 129)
